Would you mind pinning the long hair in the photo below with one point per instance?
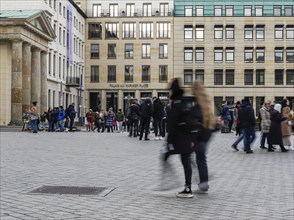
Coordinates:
(208, 118)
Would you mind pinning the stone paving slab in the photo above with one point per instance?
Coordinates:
(255, 186)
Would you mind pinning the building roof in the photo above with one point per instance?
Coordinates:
(22, 14)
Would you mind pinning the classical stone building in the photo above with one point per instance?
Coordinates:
(24, 38)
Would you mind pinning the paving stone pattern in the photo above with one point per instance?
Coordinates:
(242, 186)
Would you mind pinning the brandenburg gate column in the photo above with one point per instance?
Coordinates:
(16, 82)
(120, 99)
(43, 105)
(36, 76)
(26, 77)
(103, 99)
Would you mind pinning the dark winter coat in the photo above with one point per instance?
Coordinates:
(158, 109)
(134, 112)
(275, 133)
(246, 115)
(109, 119)
(181, 141)
(146, 109)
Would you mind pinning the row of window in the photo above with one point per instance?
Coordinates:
(129, 10)
(129, 51)
(129, 73)
(63, 98)
(112, 30)
(228, 32)
(229, 53)
(248, 10)
(228, 76)
(58, 65)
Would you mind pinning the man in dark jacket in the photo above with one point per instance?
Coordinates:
(247, 124)
(146, 111)
(133, 117)
(72, 115)
(158, 114)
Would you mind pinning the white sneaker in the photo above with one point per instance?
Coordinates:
(156, 138)
(160, 138)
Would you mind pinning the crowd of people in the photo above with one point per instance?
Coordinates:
(275, 121)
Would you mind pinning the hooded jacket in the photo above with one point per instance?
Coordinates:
(246, 114)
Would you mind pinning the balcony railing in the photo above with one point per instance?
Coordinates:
(73, 81)
(123, 13)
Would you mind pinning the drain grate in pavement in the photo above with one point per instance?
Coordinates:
(73, 190)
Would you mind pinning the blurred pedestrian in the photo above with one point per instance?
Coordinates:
(286, 124)
(34, 117)
(146, 111)
(265, 123)
(120, 119)
(158, 114)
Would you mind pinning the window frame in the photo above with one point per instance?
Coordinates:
(277, 10)
(163, 55)
(95, 34)
(163, 30)
(199, 51)
(258, 11)
(289, 76)
(230, 77)
(218, 32)
(288, 10)
(260, 51)
(146, 30)
(199, 31)
(230, 51)
(111, 51)
(247, 10)
(199, 75)
(129, 30)
(279, 50)
(218, 77)
(290, 54)
(229, 10)
(260, 32)
(248, 29)
(146, 51)
(188, 33)
(290, 32)
(130, 78)
(218, 11)
(188, 10)
(94, 78)
(188, 76)
(279, 32)
(95, 51)
(148, 67)
(199, 10)
(130, 52)
(218, 51)
(111, 78)
(260, 77)
(112, 30)
(248, 77)
(279, 77)
(230, 30)
(163, 77)
(188, 52)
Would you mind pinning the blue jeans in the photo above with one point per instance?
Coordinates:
(34, 125)
(201, 161)
(240, 138)
(249, 137)
(262, 139)
(60, 125)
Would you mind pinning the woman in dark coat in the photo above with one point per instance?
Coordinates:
(275, 133)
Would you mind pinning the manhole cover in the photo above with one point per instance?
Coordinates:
(69, 190)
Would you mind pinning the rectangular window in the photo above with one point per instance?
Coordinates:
(60, 67)
(95, 30)
(218, 77)
(163, 73)
(248, 35)
(199, 33)
(290, 77)
(163, 51)
(129, 73)
(260, 32)
(258, 10)
(259, 77)
(248, 77)
(188, 11)
(49, 64)
(188, 77)
(63, 38)
(113, 10)
(129, 51)
(288, 10)
(111, 76)
(217, 10)
(146, 51)
(111, 51)
(218, 32)
(163, 30)
(96, 10)
(199, 10)
(129, 30)
(163, 9)
(290, 55)
(95, 51)
(199, 54)
(279, 54)
(247, 10)
(188, 54)
(188, 32)
(199, 75)
(290, 32)
(229, 10)
(230, 77)
(147, 9)
(218, 54)
(230, 32)
(230, 54)
(260, 55)
(146, 73)
(279, 32)
(146, 30)
(277, 10)
(130, 10)
(279, 77)
(94, 73)
(112, 30)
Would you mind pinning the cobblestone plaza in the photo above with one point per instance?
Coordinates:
(242, 186)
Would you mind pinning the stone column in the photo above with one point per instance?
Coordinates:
(138, 95)
(154, 93)
(16, 83)
(103, 99)
(43, 104)
(120, 99)
(26, 76)
(36, 76)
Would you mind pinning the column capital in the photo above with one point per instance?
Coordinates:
(36, 49)
(44, 52)
(27, 44)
